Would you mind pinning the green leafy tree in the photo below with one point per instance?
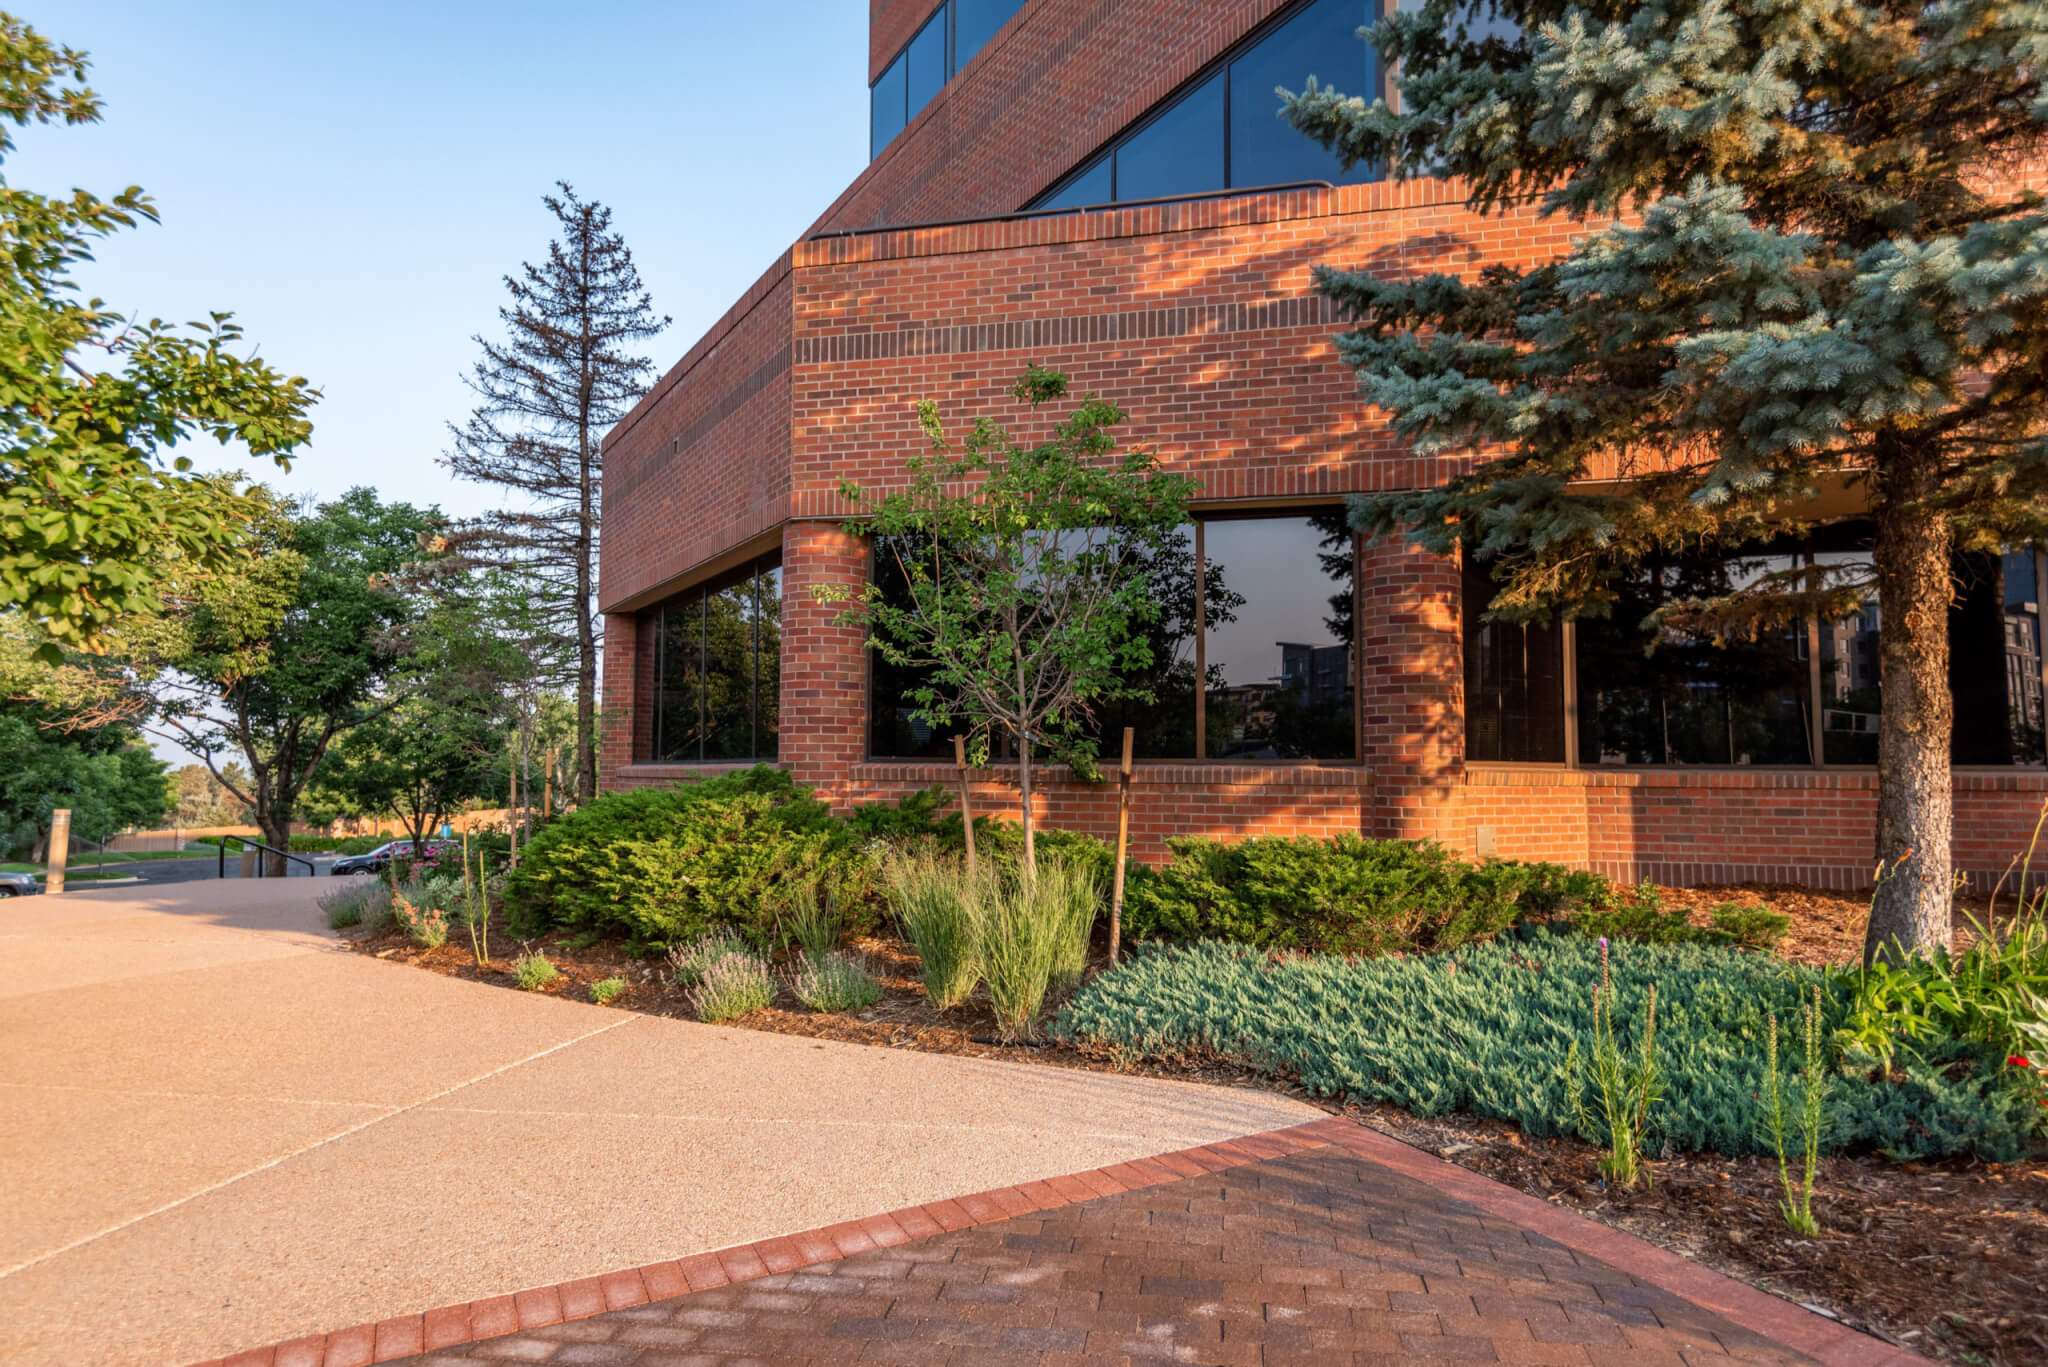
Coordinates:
(1028, 603)
(438, 745)
(258, 668)
(104, 775)
(1810, 262)
(88, 508)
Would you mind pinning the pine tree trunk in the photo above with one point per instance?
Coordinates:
(1915, 795)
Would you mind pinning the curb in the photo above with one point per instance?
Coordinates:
(1823, 1339)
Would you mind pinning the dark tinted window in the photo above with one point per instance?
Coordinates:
(886, 109)
(1687, 700)
(1178, 153)
(892, 730)
(975, 22)
(927, 63)
(1090, 187)
(1280, 672)
(1514, 682)
(1164, 725)
(717, 669)
(1321, 41)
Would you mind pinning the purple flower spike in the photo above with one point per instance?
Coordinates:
(1603, 942)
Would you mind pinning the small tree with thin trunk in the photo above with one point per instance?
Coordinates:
(1025, 596)
(567, 371)
(1811, 269)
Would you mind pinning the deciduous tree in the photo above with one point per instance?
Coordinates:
(90, 496)
(1811, 262)
(1027, 601)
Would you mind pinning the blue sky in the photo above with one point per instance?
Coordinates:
(353, 182)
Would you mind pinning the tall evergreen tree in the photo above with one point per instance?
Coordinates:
(1811, 261)
(566, 372)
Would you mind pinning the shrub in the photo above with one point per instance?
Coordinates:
(689, 961)
(355, 902)
(934, 905)
(1993, 994)
(606, 990)
(834, 982)
(665, 866)
(1758, 929)
(425, 925)
(1344, 895)
(732, 985)
(1489, 1029)
(533, 971)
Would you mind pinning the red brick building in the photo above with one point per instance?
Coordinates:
(1342, 686)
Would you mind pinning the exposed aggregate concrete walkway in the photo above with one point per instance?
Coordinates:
(218, 1129)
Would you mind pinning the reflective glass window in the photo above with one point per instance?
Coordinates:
(1164, 726)
(925, 73)
(892, 729)
(1321, 41)
(1178, 153)
(1091, 186)
(717, 669)
(1278, 657)
(887, 112)
(975, 22)
(1514, 682)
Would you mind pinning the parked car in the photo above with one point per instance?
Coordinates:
(19, 885)
(379, 859)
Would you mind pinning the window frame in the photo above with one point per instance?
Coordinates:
(1816, 741)
(945, 13)
(1197, 519)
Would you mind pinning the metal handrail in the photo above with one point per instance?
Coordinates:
(221, 863)
(1073, 209)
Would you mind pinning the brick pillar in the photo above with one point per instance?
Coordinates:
(623, 713)
(824, 668)
(1414, 684)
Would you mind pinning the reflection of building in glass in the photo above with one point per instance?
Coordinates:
(1320, 673)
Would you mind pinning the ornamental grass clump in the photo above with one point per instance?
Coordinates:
(1066, 897)
(1612, 1106)
(1021, 928)
(834, 982)
(936, 905)
(731, 985)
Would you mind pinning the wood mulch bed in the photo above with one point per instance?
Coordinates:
(1949, 1259)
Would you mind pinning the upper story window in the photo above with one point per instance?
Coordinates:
(1221, 130)
(956, 30)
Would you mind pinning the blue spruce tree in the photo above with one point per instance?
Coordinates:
(1814, 269)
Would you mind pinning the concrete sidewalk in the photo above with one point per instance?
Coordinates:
(221, 1130)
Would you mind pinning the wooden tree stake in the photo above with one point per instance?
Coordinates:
(966, 811)
(1123, 843)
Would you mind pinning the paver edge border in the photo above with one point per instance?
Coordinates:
(1827, 1341)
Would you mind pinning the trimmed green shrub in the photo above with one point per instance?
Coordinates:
(1758, 929)
(664, 866)
(1344, 895)
(1489, 1028)
(1638, 914)
(834, 982)
(606, 990)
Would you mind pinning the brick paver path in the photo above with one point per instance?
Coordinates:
(1318, 1257)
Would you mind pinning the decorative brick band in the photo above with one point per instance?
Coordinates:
(405, 1335)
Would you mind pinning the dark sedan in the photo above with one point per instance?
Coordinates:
(18, 885)
(379, 859)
